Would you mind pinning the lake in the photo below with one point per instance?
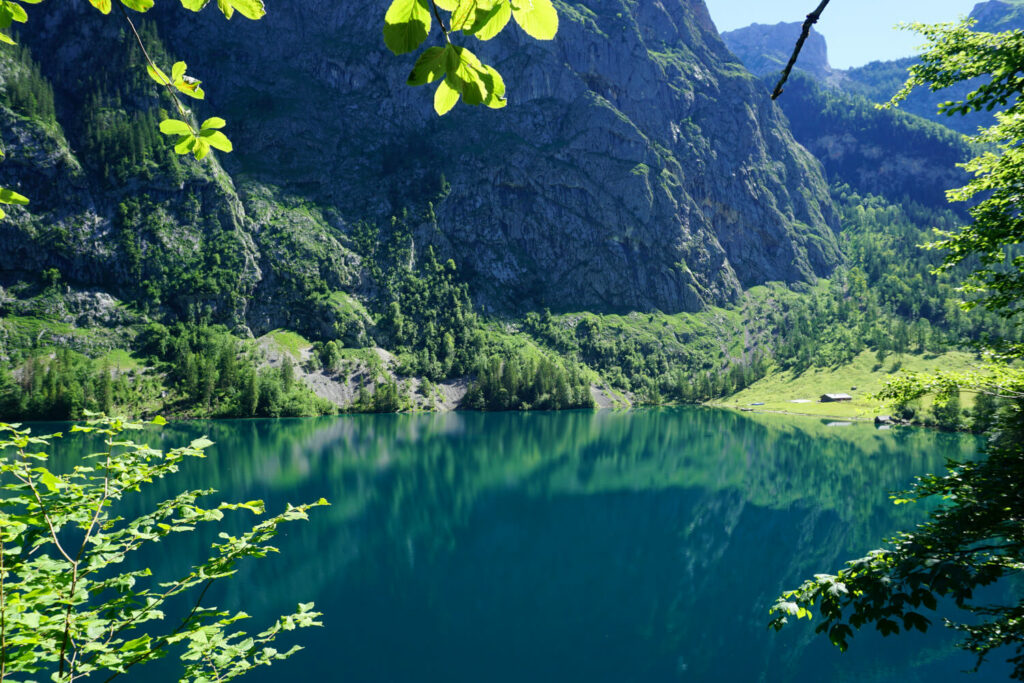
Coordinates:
(600, 546)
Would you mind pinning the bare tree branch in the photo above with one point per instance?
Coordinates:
(810, 21)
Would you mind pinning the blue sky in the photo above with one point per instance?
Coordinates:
(857, 31)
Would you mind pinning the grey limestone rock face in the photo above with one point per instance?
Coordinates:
(638, 165)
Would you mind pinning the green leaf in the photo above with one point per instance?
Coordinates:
(138, 5)
(12, 197)
(466, 73)
(887, 627)
(537, 17)
(213, 122)
(175, 127)
(200, 443)
(250, 9)
(157, 75)
(191, 87)
(101, 5)
(15, 12)
(158, 420)
(445, 97)
(49, 479)
(463, 15)
(489, 23)
(178, 70)
(406, 25)
(216, 139)
(200, 149)
(496, 86)
(184, 144)
(430, 66)
(10, 41)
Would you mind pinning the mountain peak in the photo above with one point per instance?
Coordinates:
(765, 48)
(998, 15)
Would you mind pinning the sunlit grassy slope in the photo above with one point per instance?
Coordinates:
(778, 390)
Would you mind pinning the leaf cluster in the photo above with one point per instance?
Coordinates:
(197, 142)
(250, 9)
(11, 12)
(965, 545)
(407, 24)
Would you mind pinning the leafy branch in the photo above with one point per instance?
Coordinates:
(58, 620)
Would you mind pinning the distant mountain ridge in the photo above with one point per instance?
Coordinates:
(764, 49)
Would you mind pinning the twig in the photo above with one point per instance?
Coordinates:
(46, 516)
(74, 568)
(182, 625)
(437, 15)
(3, 617)
(811, 19)
(145, 53)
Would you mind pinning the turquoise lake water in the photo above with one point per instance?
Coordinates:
(575, 546)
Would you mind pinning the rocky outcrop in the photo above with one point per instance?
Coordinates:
(765, 49)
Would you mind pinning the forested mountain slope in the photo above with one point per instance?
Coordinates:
(889, 153)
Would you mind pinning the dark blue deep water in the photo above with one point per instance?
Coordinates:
(574, 546)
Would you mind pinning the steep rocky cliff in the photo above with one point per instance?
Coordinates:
(638, 166)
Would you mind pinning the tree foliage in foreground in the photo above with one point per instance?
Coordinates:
(956, 54)
(73, 603)
(976, 537)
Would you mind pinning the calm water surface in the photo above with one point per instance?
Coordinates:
(574, 546)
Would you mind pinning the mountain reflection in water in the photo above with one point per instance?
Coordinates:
(598, 546)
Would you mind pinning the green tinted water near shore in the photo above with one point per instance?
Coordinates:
(599, 546)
